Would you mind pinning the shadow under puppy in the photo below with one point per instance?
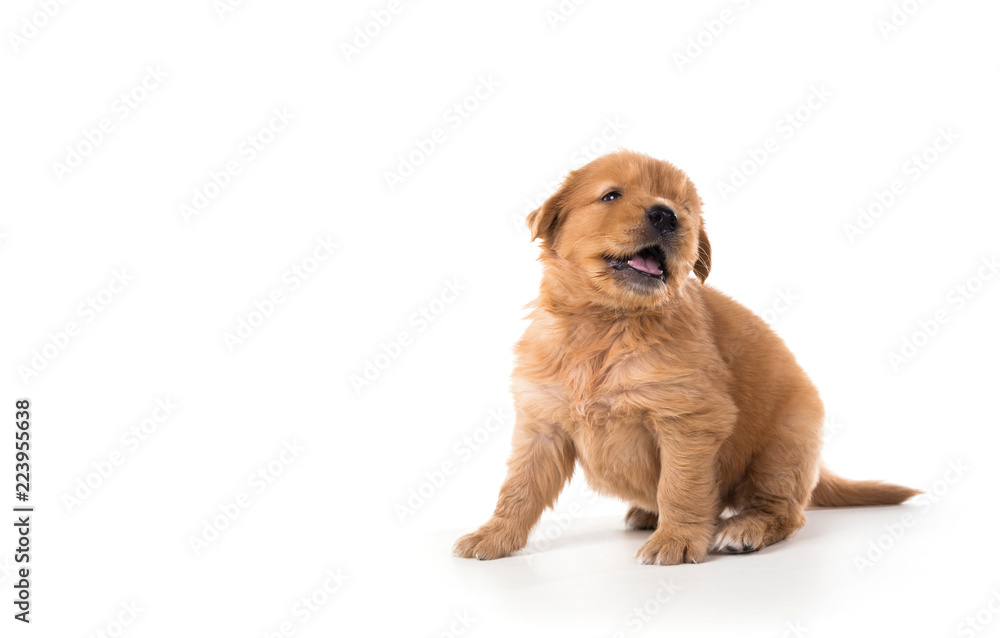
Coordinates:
(668, 393)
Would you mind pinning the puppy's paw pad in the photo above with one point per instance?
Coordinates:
(638, 518)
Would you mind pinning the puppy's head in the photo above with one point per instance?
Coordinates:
(625, 231)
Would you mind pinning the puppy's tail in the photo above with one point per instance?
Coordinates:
(834, 491)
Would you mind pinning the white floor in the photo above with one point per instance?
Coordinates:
(585, 583)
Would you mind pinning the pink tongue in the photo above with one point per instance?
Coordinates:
(645, 264)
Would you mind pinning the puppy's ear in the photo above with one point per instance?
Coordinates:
(542, 221)
(704, 263)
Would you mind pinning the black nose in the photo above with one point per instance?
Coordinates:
(662, 218)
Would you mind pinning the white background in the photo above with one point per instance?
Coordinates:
(780, 236)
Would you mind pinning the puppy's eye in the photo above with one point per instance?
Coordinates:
(612, 196)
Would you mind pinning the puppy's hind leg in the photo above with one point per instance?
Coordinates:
(639, 518)
(776, 487)
(541, 463)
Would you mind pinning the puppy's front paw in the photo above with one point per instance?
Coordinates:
(675, 546)
(490, 541)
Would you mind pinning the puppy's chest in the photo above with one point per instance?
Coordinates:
(613, 433)
(608, 406)
(598, 399)
(607, 394)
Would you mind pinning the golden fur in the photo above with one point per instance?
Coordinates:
(669, 394)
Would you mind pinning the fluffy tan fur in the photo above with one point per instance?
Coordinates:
(669, 394)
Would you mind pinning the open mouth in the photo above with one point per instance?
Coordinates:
(650, 262)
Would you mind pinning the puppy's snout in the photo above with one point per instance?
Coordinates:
(662, 218)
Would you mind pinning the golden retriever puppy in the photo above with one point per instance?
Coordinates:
(669, 394)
